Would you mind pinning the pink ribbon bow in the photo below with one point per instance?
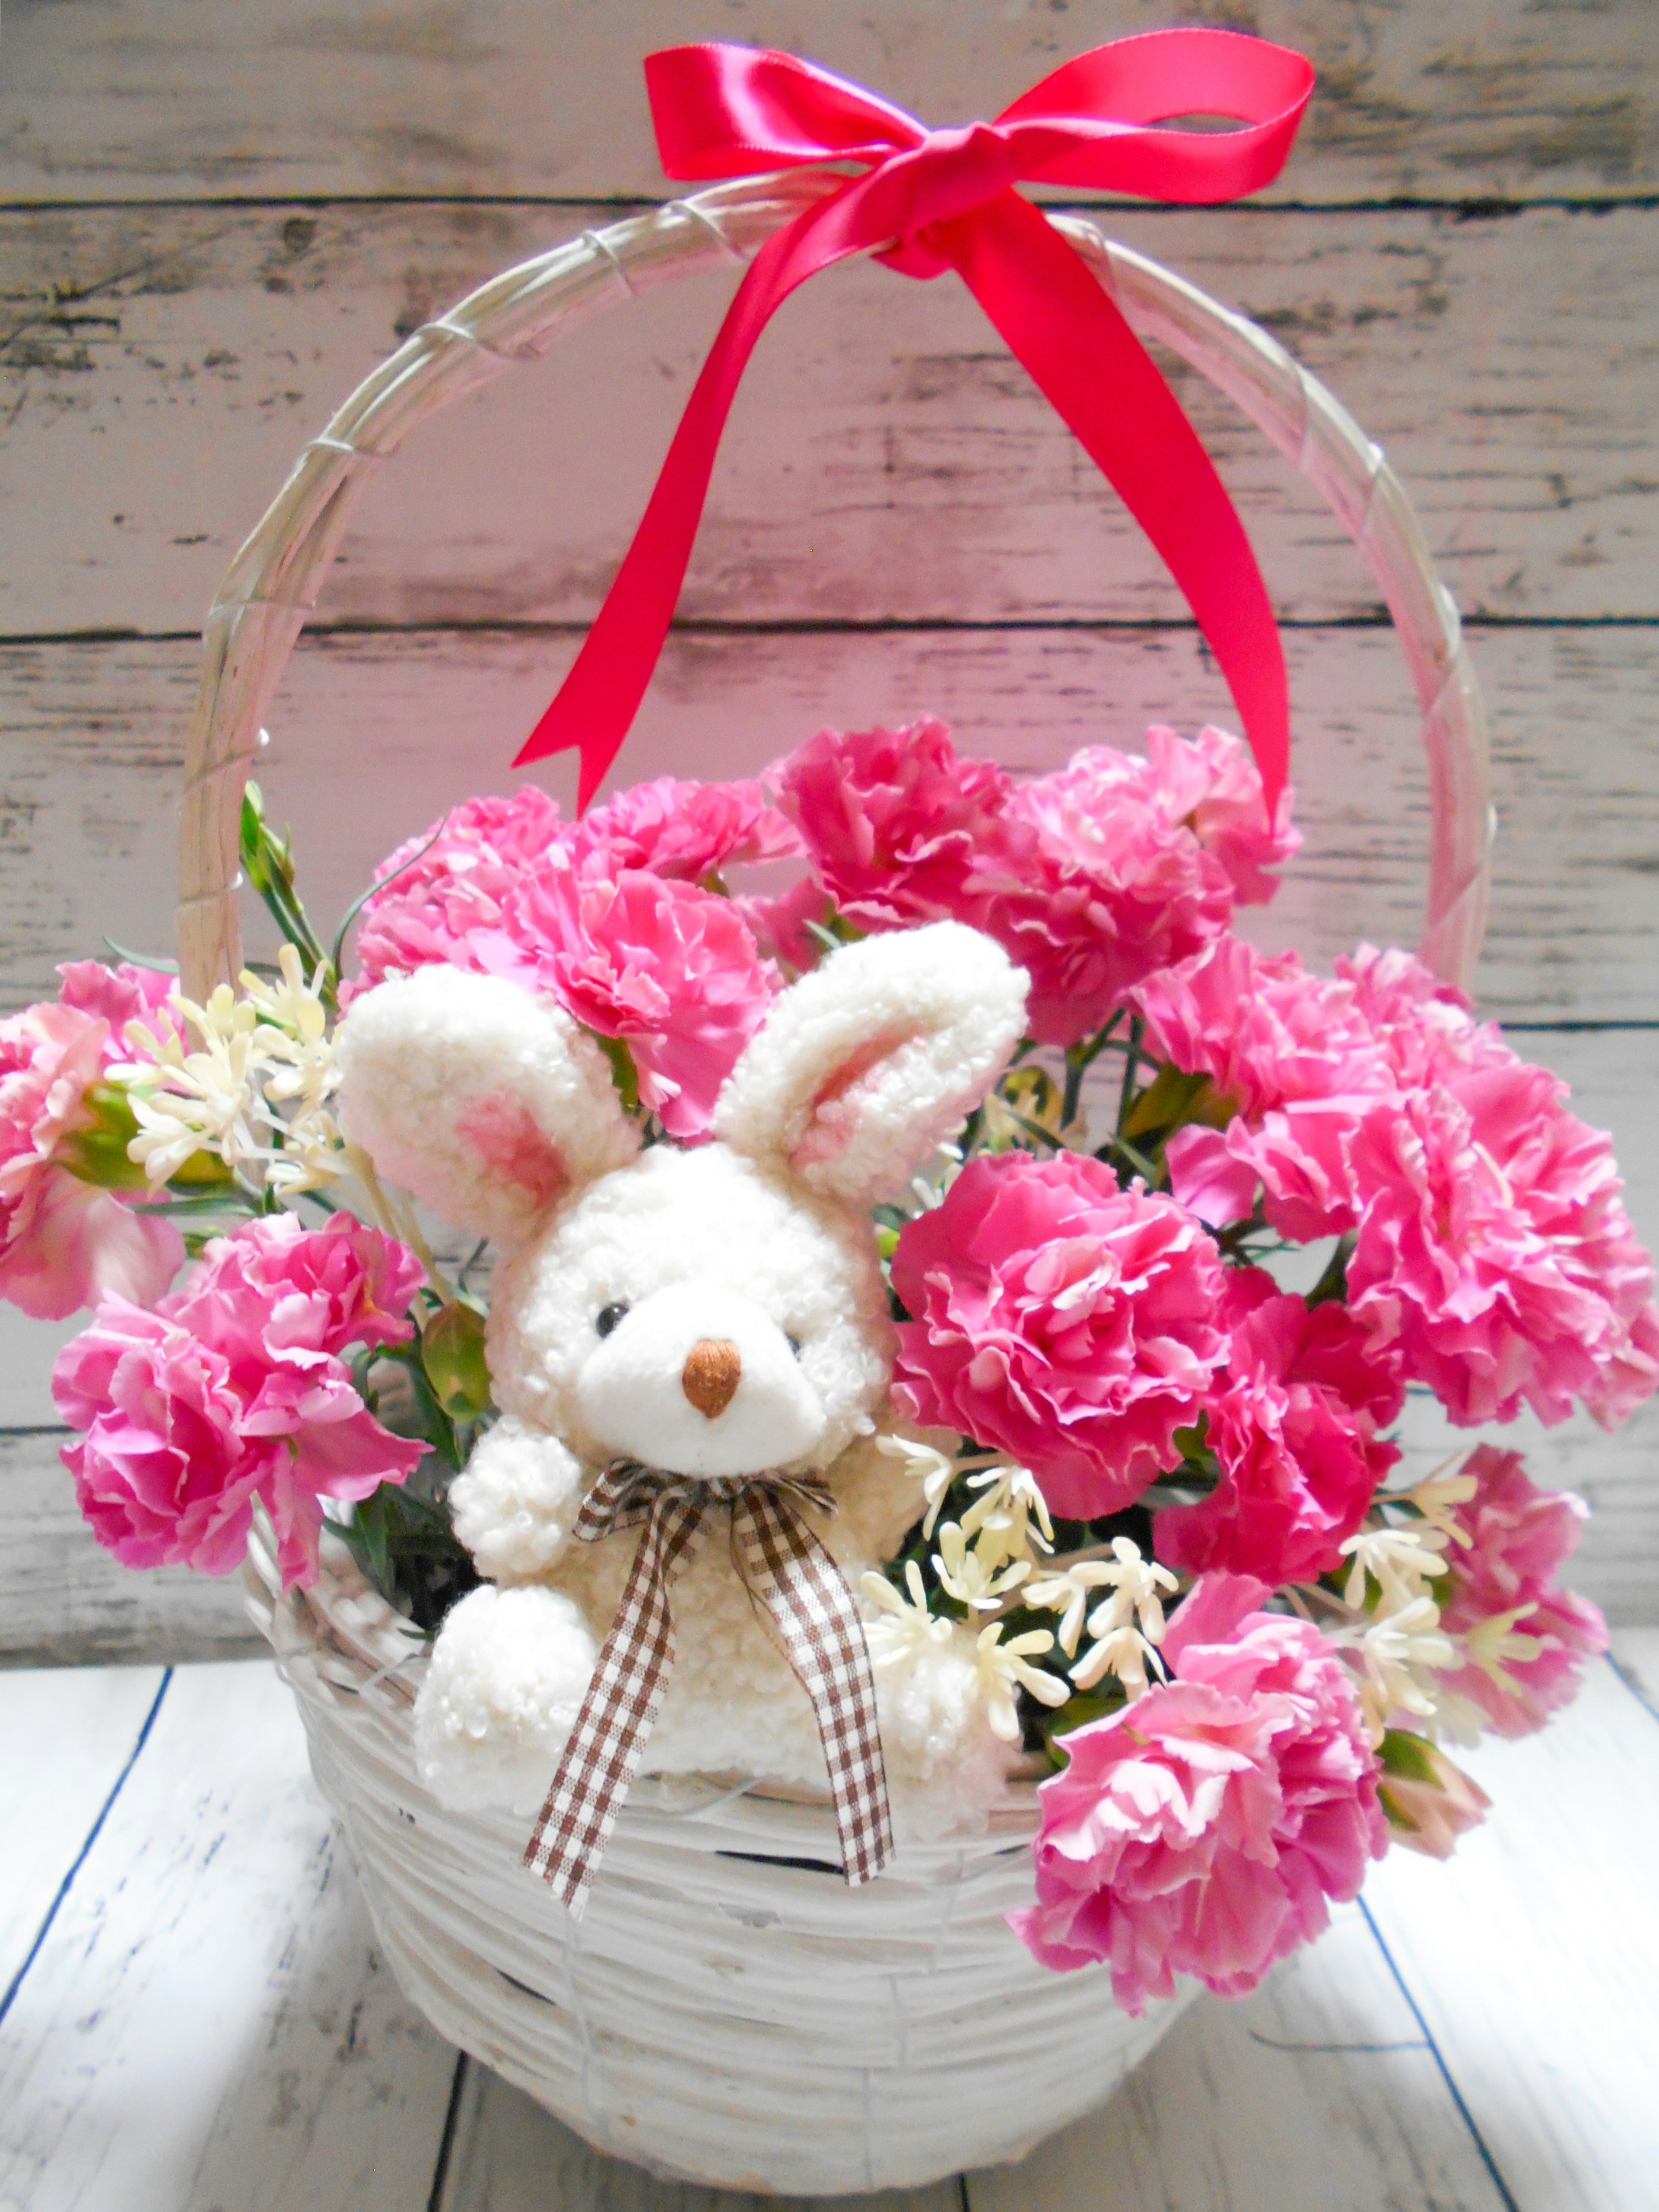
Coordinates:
(927, 201)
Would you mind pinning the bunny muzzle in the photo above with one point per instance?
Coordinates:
(698, 1380)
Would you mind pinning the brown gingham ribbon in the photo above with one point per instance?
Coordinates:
(787, 1569)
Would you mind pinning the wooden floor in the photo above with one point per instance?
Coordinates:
(195, 2018)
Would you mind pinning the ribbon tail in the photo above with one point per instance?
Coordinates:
(617, 1714)
(785, 1566)
(1094, 371)
(598, 701)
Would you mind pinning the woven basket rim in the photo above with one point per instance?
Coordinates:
(357, 1647)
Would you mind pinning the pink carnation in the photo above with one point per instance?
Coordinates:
(1098, 886)
(1293, 1424)
(431, 908)
(1423, 1027)
(1211, 783)
(1292, 1054)
(1201, 1829)
(682, 829)
(1061, 1319)
(1091, 878)
(1518, 1537)
(234, 1389)
(277, 1294)
(1268, 1034)
(1300, 1057)
(1494, 1253)
(64, 1243)
(669, 968)
(895, 821)
(778, 923)
(117, 996)
(163, 1473)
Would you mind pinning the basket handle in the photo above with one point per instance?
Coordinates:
(273, 583)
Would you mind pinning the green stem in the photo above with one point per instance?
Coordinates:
(384, 882)
(1079, 1058)
(1076, 1068)
(1148, 1170)
(1032, 1128)
(1334, 1283)
(1126, 1096)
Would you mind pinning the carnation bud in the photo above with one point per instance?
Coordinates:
(97, 1151)
(452, 1355)
(1429, 1803)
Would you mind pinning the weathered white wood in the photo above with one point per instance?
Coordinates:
(138, 99)
(1533, 1956)
(160, 369)
(65, 1602)
(208, 2027)
(66, 1735)
(1320, 2091)
(27, 1349)
(213, 1872)
(509, 2155)
(377, 734)
(1635, 1656)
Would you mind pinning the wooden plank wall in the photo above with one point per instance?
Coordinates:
(214, 219)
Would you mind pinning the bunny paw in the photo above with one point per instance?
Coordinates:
(506, 1680)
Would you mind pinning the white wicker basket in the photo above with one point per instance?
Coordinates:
(727, 2012)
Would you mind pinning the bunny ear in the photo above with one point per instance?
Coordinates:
(867, 1063)
(487, 1103)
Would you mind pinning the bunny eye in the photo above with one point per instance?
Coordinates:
(607, 1318)
(794, 1343)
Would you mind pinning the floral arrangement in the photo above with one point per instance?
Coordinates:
(1154, 1476)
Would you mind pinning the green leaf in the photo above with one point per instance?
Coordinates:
(1172, 1101)
(624, 1073)
(834, 931)
(1075, 1713)
(382, 883)
(371, 1518)
(233, 1202)
(268, 864)
(1334, 1283)
(152, 960)
(452, 1355)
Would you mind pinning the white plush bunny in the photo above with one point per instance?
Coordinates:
(712, 1311)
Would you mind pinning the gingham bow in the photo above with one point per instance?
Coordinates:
(788, 1570)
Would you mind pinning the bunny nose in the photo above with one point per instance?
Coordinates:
(710, 1377)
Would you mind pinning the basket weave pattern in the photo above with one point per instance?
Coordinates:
(727, 2012)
